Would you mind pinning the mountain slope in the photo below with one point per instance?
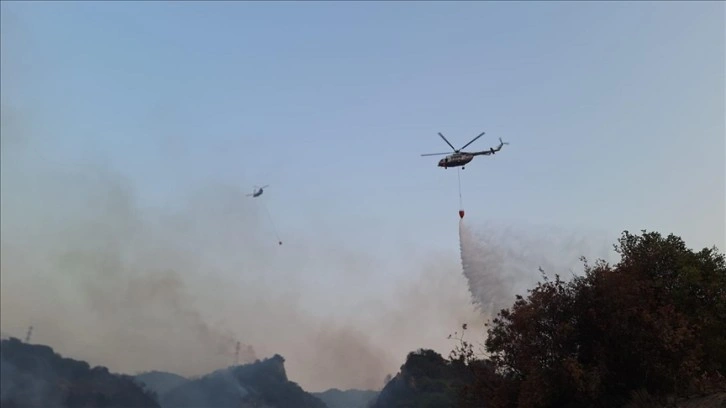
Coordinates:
(260, 384)
(36, 376)
(159, 381)
(335, 398)
(426, 380)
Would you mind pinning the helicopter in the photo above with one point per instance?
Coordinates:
(256, 192)
(459, 158)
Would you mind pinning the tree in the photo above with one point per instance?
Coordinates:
(655, 322)
(483, 388)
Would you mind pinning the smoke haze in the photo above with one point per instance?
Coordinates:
(137, 289)
(106, 277)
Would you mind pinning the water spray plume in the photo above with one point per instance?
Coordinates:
(507, 260)
(482, 269)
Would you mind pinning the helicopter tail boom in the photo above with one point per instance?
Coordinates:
(492, 150)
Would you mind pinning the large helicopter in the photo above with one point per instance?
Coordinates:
(459, 158)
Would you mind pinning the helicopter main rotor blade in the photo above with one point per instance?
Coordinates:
(447, 142)
(472, 141)
(434, 154)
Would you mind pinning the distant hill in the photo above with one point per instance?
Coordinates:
(335, 398)
(159, 381)
(426, 380)
(260, 384)
(36, 376)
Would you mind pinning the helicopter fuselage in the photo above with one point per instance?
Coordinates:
(456, 160)
(459, 158)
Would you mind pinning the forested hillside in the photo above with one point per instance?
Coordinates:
(649, 330)
(260, 384)
(335, 398)
(36, 376)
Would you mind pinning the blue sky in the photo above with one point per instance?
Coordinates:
(614, 110)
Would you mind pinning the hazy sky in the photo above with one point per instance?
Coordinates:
(614, 112)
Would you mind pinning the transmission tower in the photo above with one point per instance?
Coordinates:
(236, 355)
(27, 336)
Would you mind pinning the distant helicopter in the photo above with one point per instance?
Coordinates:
(459, 158)
(256, 192)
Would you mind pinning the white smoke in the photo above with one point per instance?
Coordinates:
(483, 269)
(504, 261)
